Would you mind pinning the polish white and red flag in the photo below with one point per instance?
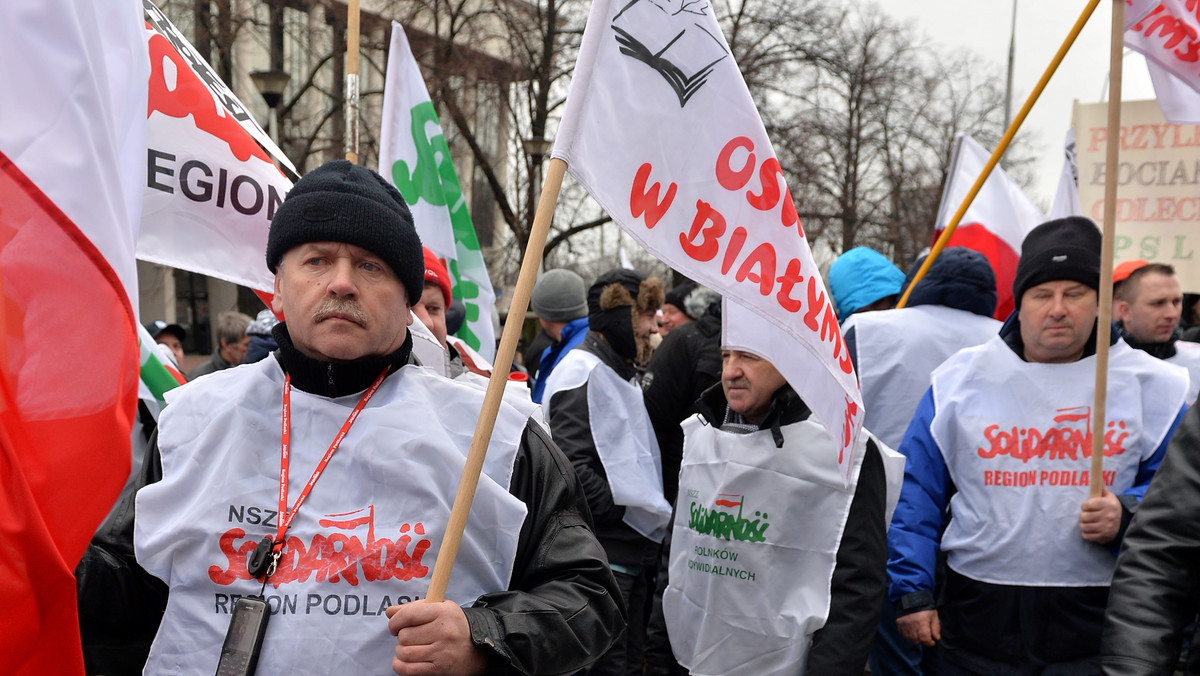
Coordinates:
(214, 178)
(660, 128)
(1167, 33)
(996, 222)
(72, 164)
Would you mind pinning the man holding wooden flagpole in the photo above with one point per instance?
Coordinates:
(332, 564)
(1002, 443)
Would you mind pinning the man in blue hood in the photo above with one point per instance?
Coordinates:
(862, 280)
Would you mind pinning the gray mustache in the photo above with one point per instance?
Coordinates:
(340, 306)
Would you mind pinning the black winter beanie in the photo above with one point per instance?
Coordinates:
(342, 202)
(1065, 248)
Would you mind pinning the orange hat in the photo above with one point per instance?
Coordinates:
(435, 273)
(1123, 270)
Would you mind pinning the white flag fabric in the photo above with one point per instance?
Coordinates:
(1066, 198)
(662, 131)
(1167, 33)
(211, 189)
(1179, 103)
(413, 154)
(996, 222)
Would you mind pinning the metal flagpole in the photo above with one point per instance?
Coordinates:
(352, 31)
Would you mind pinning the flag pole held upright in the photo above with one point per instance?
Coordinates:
(1113, 149)
(495, 390)
(352, 32)
(1000, 148)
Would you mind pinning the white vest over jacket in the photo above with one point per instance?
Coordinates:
(365, 538)
(1016, 439)
(756, 534)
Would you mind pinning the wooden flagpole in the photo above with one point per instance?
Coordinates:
(1000, 148)
(495, 389)
(352, 33)
(1113, 148)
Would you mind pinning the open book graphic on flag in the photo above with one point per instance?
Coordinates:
(667, 139)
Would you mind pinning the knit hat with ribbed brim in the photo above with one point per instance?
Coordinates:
(342, 202)
(559, 296)
(1062, 249)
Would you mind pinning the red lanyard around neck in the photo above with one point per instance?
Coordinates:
(285, 515)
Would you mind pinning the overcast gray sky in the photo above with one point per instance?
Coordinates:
(984, 27)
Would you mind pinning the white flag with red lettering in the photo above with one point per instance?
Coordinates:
(661, 130)
(212, 183)
(996, 222)
(1167, 33)
(72, 164)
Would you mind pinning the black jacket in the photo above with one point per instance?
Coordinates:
(1156, 586)
(572, 431)
(561, 611)
(687, 363)
(859, 575)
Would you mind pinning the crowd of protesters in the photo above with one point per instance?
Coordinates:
(611, 532)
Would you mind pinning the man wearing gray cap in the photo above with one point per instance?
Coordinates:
(560, 300)
(336, 565)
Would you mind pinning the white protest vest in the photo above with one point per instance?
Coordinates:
(898, 349)
(623, 436)
(1187, 355)
(366, 537)
(756, 534)
(1016, 438)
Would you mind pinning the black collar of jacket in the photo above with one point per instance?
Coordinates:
(1011, 334)
(594, 342)
(330, 379)
(786, 408)
(1163, 350)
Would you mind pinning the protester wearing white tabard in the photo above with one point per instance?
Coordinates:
(321, 479)
(596, 415)
(776, 566)
(1002, 439)
(1147, 309)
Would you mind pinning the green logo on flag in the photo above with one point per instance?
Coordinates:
(434, 181)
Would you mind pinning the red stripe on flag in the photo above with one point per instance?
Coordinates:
(1003, 259)
(68, 395)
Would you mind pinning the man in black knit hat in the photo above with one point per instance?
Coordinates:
(998, 457)
(594, 406)
(339, 557)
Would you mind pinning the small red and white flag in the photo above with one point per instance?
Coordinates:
(662, 131)
(72, 165)
(996, 222)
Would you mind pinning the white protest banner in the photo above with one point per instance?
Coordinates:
(1157, 207)
(211, 188)
(661, 130)
(1167, 33)
(413, 154)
